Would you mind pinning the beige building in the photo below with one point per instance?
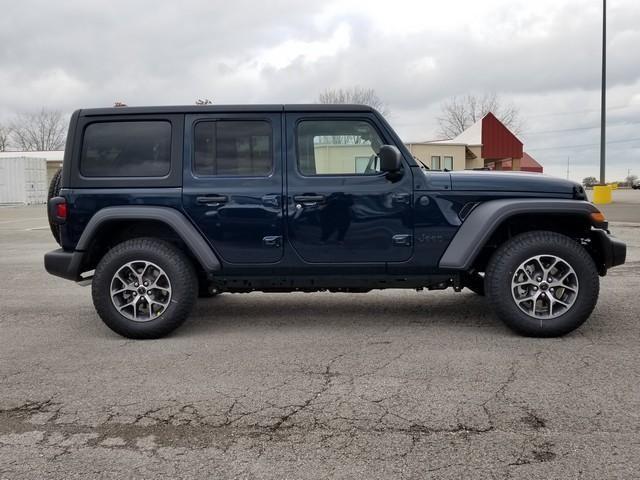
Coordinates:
(341, 159)
(485, 144)
(438, 156)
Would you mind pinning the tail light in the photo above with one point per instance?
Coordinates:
(61, 211)
(58, 210)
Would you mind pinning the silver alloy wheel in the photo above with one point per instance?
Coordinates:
(544, 286)
(140, 291)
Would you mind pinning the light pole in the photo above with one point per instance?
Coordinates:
(603, 97)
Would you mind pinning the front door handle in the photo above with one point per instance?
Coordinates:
(309, 199)
(402, 240)
(402, 198)
(212, 200)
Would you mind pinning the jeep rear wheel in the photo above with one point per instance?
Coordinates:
(144, 288)
(542, 284)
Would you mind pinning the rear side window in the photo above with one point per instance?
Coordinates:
(126, 149)
(233, 148)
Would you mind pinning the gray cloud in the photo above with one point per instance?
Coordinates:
(544, 58)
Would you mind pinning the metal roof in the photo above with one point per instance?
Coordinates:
(471, 136)
(497, 140)
(55, 155)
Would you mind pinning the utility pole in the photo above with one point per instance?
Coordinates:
(568, 168)
(603, 98)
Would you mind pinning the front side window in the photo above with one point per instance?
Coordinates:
(233, 148)
(126, 149)
(435, 162)
(338, 147)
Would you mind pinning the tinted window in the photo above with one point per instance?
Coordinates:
(126, 149)
(338, 147)
(233, 148)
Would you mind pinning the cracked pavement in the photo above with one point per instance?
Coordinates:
(393, 384)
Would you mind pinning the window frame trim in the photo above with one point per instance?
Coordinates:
(74, 146)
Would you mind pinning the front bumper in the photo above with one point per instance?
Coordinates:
(63, 263)
(612, 250)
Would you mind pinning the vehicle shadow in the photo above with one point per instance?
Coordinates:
(372, 310)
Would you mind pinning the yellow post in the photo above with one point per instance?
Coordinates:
(614, 186)
(602, 194)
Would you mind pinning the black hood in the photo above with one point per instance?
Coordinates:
(481, 180)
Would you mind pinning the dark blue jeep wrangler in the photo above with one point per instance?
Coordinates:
(158, 205)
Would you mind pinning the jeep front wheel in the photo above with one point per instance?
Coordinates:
(144, 288)
(542, 284)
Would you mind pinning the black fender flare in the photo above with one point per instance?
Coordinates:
(173, 218)
(483, 221)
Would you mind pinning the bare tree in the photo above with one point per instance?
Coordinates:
(203, 101)
(354, 95)
(39, 131)
(459, 113)
(5, 133)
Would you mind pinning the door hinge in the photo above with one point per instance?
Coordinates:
(272, 241)
(402, 240)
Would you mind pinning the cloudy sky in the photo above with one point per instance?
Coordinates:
(543, 55)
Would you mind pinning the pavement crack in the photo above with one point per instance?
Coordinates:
(327, 378)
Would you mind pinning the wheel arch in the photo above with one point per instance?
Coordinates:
(115, 224)
(491, 222)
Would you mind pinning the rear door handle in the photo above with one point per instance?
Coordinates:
(271, 201)
(309, 198)
(212, 200)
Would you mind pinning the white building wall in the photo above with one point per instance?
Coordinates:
(23, 180)
(54, 159)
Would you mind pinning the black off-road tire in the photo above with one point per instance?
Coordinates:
(512, 254)
(179, 270)
(54, 191)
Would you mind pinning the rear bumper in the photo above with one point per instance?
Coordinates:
(64, 264)
(614, 251)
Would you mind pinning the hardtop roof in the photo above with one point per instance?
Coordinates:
(314, 107)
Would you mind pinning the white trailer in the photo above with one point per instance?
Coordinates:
(23, 180)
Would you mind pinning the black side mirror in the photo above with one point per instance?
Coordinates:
(390, 159)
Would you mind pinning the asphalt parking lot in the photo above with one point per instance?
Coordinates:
(393, 384)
